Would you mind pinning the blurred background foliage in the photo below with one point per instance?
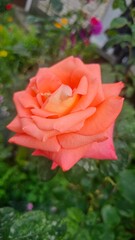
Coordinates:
(95, 200)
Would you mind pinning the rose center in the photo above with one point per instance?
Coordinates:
(61, 101)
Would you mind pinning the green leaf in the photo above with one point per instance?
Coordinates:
(121, 4)
(119, 22)
(126, 184)
(110, 216)
(44, 169)
(83, 234)
(101, 232)
(119, 39)
(75, 214)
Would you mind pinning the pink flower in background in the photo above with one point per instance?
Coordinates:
(96, 26)
(29, 206)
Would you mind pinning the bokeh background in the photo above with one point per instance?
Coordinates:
(95, 200)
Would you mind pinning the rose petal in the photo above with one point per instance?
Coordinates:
(64, 68)
(47, 81)
(22, 112)
(50, 145)
(82, 88)
(95, 93)
(42, 113)
(54, 165)
(15, 125)
(112, 89)
(31, 88)
(69, 121)
(26, 100)
(65, 158)
(103, 150)
(86, 100)
(31, 129)
(95, 71)
(74, 140)
(65, 123)
(105, 115)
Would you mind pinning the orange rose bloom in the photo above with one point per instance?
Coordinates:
(66, 113)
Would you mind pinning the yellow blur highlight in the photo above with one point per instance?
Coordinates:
(62, 22)
(10, 19)
(3, 53)
(1, 28)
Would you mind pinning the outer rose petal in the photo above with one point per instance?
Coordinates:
(24, 125)
(112, 89)
(31, 129)
(22, 112)
(74, 140)
(105, 115)
(26, 100)
(50, 145)
(103, 150)
(15, 125)
(65, 158)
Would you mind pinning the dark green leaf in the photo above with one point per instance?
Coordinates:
(44, 169)
(119, 39)
(126, 185)
(119, 22)
(110, 216)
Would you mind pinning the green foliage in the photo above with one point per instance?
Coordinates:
(119, 22)
(30, 225)
(121, 4)
(110, 216)
(126, 184)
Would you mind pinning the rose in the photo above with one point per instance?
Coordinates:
(66, 113)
